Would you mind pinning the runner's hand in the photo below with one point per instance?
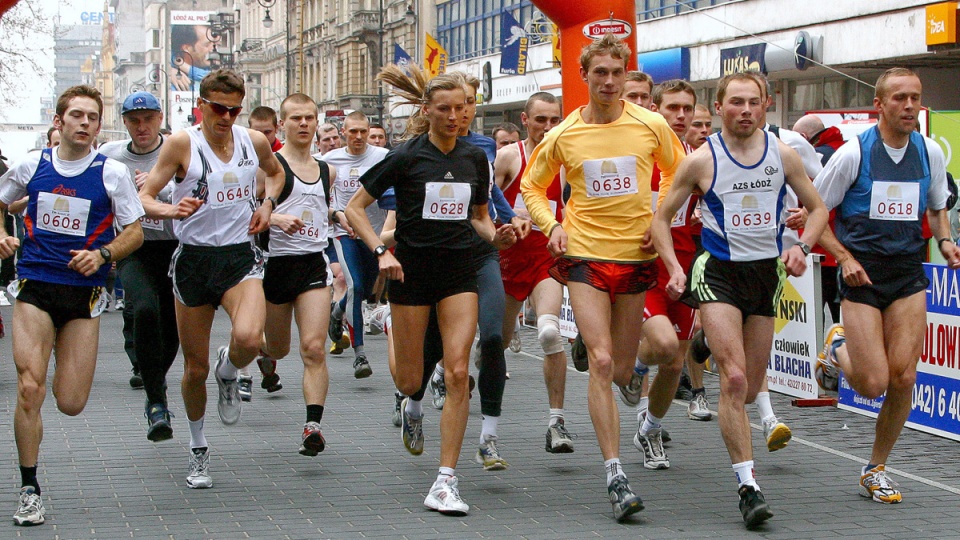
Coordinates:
(287, 223)
(676, 285)
(140, 178)
(85, 262)
(521, 226)
(8, 246)
(558, 241)
(260, 221)
(505, 237)
(797, 219)
(646, 244)
(795, 263)
(186, 207)
(390, 267)
(853, 274)
(951, 253)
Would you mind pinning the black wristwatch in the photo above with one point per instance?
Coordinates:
(804, 248)
(273, 201)
(381, 249)
(105, 253)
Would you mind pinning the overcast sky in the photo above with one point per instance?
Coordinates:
(15, 145)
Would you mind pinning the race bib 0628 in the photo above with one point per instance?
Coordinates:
(610, 177)
(446, 201)
(895, 201)
(62, 214)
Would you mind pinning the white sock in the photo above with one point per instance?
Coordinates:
(764, 406)
(227, 370)
(244, 372)
(444, 473)
(651, 422)
(744, 473)
(438, 373)
(414, 408)
(642, 408)
(489, 428)
(197, 439)
(613, 468)
(555, 416)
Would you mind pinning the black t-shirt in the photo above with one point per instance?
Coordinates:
(433, 204)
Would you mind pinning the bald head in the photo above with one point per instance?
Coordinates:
(808, 126)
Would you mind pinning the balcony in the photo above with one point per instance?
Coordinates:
(360, 26)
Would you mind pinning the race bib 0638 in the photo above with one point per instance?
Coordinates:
(610, 177)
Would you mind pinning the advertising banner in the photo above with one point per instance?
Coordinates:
(435, 57)
(513, 45)
(743, 58)
(796, 337)
(935, 404)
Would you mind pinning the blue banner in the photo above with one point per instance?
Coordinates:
(666, 64)
(743, 58)
(513, 45)
(401, 58)
(935, 404)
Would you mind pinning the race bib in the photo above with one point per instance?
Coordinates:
(519, 205)
(62, 214)
(349, 178)
(895, 201)
(446, 201)
(227, 190)
(310, 232)
(754, 211)
(151, 223)
(680, 218)
(610, 177)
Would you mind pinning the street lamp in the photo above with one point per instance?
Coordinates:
(267, 21)
(179, 63)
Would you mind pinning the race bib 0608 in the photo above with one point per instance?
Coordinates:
(62, 214)
(610, 177)
(754, 211)
(895, 201)
(446, 201)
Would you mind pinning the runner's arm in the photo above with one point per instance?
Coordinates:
(170, 162)
(687, 176)
(273, 183)
(817, 215)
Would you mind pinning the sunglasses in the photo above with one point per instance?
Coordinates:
(221, 110)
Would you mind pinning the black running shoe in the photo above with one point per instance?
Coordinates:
(159, 418)
(361, 368)
(136, 380)
(698, 348)
(625, 502)
(578, 352)
(684, 389)
(335, 328)
(753, 506)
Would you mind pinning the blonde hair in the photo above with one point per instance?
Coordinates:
(881, 90)
(609, 44)
(417, 90)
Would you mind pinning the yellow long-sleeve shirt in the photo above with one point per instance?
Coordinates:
(608, 167)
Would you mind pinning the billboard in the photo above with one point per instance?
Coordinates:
(190, 44)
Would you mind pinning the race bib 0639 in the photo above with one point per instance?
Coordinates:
(610, 177)
(753, 211)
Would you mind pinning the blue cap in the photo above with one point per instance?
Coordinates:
(140, 101)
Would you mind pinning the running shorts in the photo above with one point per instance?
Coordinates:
(610, 277)
(288, 276)
(63, 303)
(432, 274)
(753, 287)
(893, 277)
(525, 264)
(203, 274)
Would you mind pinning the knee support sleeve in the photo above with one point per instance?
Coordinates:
(548, 333)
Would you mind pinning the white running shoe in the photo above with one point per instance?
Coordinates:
(444, 497)
(30, 511)
(199, 477)
(229, 404)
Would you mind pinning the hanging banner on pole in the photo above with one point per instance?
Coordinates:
(513, 45)
(435, 59)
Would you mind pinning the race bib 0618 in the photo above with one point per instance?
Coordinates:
(895, 201)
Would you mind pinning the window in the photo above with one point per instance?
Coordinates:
(652, 9)
(471, 28)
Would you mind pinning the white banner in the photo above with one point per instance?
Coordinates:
(796, 339)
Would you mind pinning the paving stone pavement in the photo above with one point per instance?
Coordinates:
(102, 478)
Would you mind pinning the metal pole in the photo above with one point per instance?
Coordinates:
(380, 67)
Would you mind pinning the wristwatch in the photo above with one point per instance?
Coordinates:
(804, 248)
(105, 253)
(381, 249)
(273, 202)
